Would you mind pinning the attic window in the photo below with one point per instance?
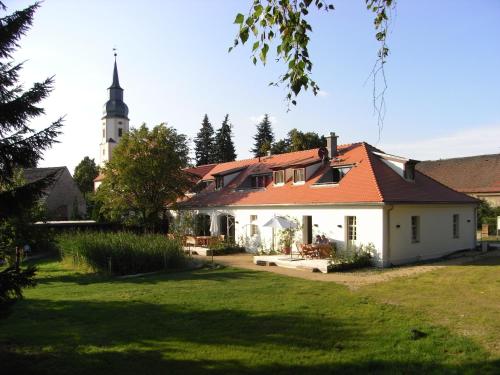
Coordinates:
(219, 182)
(339, 173)
(299, 175)
(333, 175)
(279, 177)
(259, 181)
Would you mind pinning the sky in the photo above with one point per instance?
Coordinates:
(443, 73)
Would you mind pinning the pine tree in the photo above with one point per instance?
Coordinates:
(205, 143)
(20, 147)
(264, 138)
(224, 145)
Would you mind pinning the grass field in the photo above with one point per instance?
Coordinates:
(238, 321)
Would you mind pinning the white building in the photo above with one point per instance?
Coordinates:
(353, 194)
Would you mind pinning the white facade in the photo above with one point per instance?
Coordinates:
(112, 129)
(386, 227)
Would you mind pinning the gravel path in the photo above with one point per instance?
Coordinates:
(354, 279)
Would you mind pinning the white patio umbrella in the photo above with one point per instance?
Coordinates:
(279, 222)
(214, 224)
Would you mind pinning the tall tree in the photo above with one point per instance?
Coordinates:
(20, 147)
(204, 143)
(264, 137)
(145, 174)
(85, 173)
(224, 145)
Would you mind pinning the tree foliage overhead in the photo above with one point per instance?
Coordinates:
(20, 147)
(85, 173)
(224, 145)
(204, 143)
(144, 175)
(285, 24)
(264, 137)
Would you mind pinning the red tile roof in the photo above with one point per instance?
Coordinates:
(369, 181)
(474, 174)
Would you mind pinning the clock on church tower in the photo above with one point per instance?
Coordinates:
(115, 122)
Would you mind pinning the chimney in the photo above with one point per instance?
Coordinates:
(331, 145)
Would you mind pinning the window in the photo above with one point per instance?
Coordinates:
(352, 232)
(103, 151)
(219, 182)
(299, 175)
(415, 229)
(120, 132)
(259, 181)
(456, 226)
(338, 174)
(119, 122)
(279, 177)
(254, 228)
(103, 133)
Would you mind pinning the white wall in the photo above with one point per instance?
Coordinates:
(436, 232)
(327, 220)
(110, 127)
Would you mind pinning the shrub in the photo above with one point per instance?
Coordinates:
(226, 248)
(358, 257)
(122, 253)
(12, 283)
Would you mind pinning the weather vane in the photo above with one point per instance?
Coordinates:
(114, 52)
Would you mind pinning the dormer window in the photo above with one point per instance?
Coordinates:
(338, 174)
(279, 177)
(219, 182)
(258, 181)
(299, 175)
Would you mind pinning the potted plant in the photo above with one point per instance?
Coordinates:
(286, 240)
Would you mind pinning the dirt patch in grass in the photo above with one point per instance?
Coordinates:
(360, 278)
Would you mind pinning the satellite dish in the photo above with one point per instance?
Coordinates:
(323, 153)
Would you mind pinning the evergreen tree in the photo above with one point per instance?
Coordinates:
(85, 173)
(20, 147)
(224, 143)
(264, 138)
(205, 143)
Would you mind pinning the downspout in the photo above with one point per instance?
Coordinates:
(391, 207)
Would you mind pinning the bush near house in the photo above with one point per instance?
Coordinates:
(358, 257)
(226, 248)
(122, 253)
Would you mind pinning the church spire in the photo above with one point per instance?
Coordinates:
(115, 107)
(116, 81)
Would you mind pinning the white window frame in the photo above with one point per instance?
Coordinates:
(281, 173)
(299, 182)
(254, 228)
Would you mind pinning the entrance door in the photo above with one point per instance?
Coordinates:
(307, 229)
(351, 231)
(227, 227)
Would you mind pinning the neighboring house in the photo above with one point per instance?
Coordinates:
(62, 198)
(477, 176)
(353, 194)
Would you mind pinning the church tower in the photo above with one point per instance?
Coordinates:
(114, 121)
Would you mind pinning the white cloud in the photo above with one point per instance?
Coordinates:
(465, 142)
(322, 93)
(258, 119)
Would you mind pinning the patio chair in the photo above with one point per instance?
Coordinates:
(325, 251)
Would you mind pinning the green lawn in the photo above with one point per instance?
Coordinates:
(227, 321)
